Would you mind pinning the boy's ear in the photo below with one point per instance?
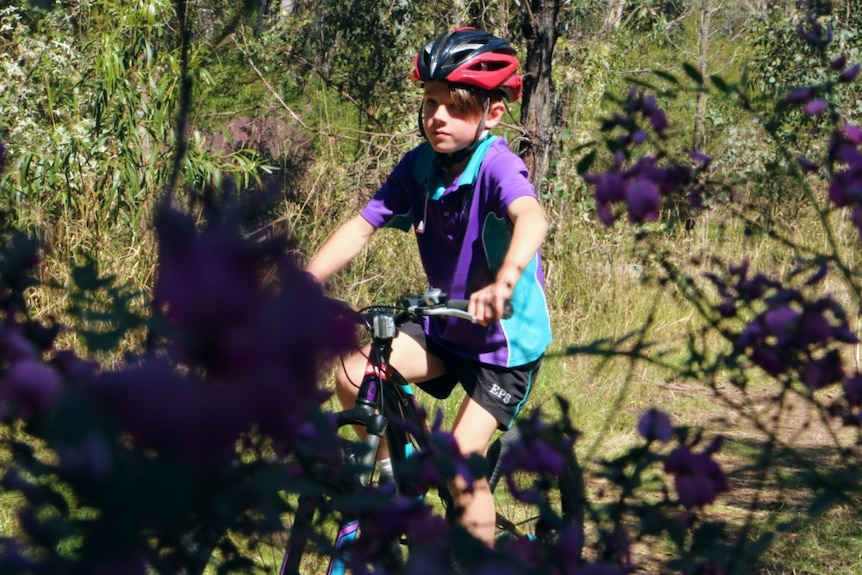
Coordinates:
(495, 113)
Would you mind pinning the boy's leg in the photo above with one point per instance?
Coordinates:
(473, 429)
(409, 357)
(495, 395)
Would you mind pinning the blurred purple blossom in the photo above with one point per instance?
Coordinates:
(640, 187)
(845, 157)
(814, 33)
(853, 390)
(31, 386)
(89, 458)
(697, 477)
(853, 134)
(802, 96)
(654, 425)
(838, 63)
(244, 336)
(14, 345)
(793, 332)
(644, 200)
(850, 74)
(816, 107)
(13, 559)
(823, 371)
(805, 164)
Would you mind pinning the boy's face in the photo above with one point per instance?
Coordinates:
(448, 126)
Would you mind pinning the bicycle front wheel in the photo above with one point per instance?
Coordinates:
(561, 497)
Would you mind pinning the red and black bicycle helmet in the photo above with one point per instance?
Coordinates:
(472, 57)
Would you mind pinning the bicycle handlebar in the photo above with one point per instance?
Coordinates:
(435, 302)
(384, 320)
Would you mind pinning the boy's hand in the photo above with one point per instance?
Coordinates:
(488, 303)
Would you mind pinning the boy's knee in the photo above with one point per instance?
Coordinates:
(348, 376)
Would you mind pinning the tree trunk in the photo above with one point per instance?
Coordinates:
(540, 34)
(285, 8)
(700, 116)
(614, 15)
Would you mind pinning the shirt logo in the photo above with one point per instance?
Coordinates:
(498, 391)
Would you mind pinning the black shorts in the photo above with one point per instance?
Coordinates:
(502, 391)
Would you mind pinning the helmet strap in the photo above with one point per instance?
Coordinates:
(480, 129)
(421, 122)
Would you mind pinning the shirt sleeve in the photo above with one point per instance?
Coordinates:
(391, 205)
(507, 179)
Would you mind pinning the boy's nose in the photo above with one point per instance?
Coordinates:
(440, 114)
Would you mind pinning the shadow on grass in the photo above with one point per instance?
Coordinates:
(809, 497)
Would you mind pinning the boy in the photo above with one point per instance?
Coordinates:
(479, 228)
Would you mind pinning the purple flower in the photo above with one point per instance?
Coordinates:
(805, 164)
(845, 188)
(90, 458)
(856, 218)
(853, 389)
(814, 329)
(606, 214)
(726, 308)
(643, 200)
(751, 335)
(838, 63)
(824, 371)
(701, 158)
(655, 424)
(32, 386)
(769, 360)
(815, 107)
(610, 187)
(815, 35)
(852, 133)
(849, 74)
(14, 345)
(781, 320)
(802, 96)
(656, 116)
(697, 477)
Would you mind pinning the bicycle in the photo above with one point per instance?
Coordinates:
(387, 407)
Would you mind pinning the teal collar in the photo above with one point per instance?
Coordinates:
(470, 173)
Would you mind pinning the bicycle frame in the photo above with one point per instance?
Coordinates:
(383, 397)
(381, 391)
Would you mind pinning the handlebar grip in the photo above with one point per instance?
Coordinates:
(463, 303)
(458, 304)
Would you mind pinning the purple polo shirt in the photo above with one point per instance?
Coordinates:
(465, 234)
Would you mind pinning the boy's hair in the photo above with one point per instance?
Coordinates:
(471, 101)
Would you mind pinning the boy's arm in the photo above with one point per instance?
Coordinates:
(530, 227)
(340, 248)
